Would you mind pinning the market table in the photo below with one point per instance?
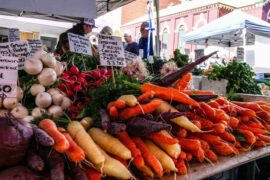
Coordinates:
(200, 171)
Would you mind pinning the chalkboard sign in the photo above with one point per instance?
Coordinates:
(79, 44)
(18, 49)
(13, 35)
(34, 45)
(199, 53)
(130, 56)
(111, 51)
(8, 76)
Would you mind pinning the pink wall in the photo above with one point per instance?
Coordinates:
(256, 11)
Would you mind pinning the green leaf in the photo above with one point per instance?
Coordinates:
(239, 136)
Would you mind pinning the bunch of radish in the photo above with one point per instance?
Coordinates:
(76, 84)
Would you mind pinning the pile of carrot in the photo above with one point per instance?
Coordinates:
(156, 138)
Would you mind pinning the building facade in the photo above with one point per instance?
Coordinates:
(176, 21)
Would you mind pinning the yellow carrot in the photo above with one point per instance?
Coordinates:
(147, 170)
(109, 143)
(87, 122)
(130, 100)
(181, 121)
(173, 150)
(164, 159)
(80, 136)
(113, 167)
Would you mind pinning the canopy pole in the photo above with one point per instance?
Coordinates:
(157, 14)
(244, 43)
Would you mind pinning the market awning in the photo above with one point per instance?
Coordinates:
(62, 10)
(227, 30)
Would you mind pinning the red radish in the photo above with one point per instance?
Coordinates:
(74, 78)
(78, 88)
(73, 108)
(62, 86)
(109, 73)
(69, 92)
(87, 100)
(84, 83)
(70, 83)
(96, 74)
(103, 71)
(74, 70)
(65, 76)
(82, 75)
(73, 116)
(97, 83)
(81, 80)
(80, 105)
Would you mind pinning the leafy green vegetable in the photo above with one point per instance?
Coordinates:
(180, 59)
(233, 97)
(154, 69)
(60, 122)
(240, 77)
(107, 92)
(239, 136)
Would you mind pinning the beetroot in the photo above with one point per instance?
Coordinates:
(15, 136)
(18, 172)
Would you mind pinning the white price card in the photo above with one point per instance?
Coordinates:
(13, 35)
(79, 44)
(34, 45)
(5, 49)
(130, 56)
(111, 51)
(21, 50)
(8, 76)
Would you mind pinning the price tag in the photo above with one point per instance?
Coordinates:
(79, 44)
(130, 56)
(34, 45)
(141, 53)
(21, 50)
(111, 51)
(240, 54)
(199, 53)
(5, 49)
(151, 59)
(8, 76)
(13, 35)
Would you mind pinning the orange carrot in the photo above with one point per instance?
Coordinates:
(259, 143)
(244, 111)
(265, 108)
(140, 109)
(222, 101)
(159, 137)
(199, 154)
(233, 122)
(92, 174)
(213, 104)
(262, 103)
(205, 123)
(119, 104)
(254, 130)
(235, 150)
(197, 123)
(146, 95)
(182, 83)
(258, 123)
(210, 138)
(149, 157)
(221, 115)
(168, 94)
(244, 118)
(182, 155)
(250, 138)
(74, 152)
(223, 148)
(209, 111)
(267, 126)
(135, 152)
(263, 138)
(227, 136)
(182, 133)
(219, 128)
(189, 156)
(193, 92)
(61, 143)
(264, 115)
(249, 105)
(204, 144)
(211, 156)
(229, 109)
(114, 112)
(189, 144)
(181, 166)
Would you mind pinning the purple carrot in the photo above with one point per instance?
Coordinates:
(117, 128)
(174, 76)
(183, 107)
(34, 161)
(42, 137)
(105, 119)
(139, 126)
(169, 115)
(203, 97)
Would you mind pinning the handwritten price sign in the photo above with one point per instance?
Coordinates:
(111, 51)
(79, 44)
(8, 76)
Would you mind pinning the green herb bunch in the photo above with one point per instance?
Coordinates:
(240, 77)
(180, 59)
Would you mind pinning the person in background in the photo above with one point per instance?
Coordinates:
(143, 42)
(131, 45)
(107, 31)
(84, 27)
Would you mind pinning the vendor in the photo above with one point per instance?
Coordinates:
(143, 42)
(131, 46)
(82, 29)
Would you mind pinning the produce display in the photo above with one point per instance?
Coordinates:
(97, 123)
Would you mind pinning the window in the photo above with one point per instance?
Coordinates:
(165, 36)
(181, 33)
